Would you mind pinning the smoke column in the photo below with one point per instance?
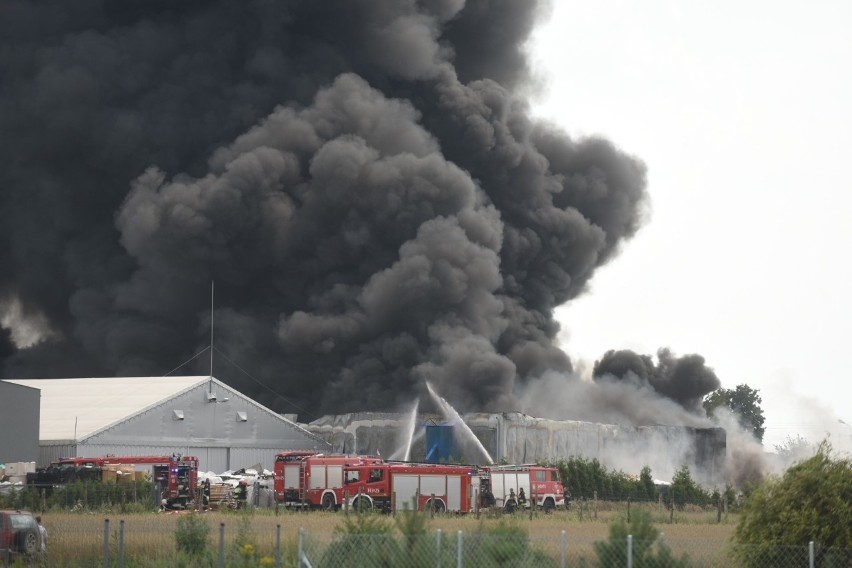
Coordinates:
(362, 179)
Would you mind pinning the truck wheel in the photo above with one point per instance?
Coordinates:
(548, 505)
(362, 504)
(27, 541)
(328, 502)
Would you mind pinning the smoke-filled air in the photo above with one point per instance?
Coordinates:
(362, 181)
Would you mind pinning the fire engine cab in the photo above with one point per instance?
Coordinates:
(309, 479)
(541, 485)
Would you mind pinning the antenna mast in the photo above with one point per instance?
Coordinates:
(211, 336)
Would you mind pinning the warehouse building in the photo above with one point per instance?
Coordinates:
(514, 437)
(199, 416)
(19, 418)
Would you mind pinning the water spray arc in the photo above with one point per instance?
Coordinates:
(451, 415)
(404, 452)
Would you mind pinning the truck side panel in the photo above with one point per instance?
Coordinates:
(454, 493)
(405, 486)
(291, 476)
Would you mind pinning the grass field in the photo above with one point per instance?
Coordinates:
(77, 538)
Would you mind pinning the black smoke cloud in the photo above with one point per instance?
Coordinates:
(685, 380)
(361, 179)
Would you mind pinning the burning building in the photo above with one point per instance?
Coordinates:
(515, 437)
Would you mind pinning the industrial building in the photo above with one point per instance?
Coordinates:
(19, 418)
(514, 437)
(227, 430)
(198, 415)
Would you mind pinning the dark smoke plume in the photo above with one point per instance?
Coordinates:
(361, 179)
(686, 379)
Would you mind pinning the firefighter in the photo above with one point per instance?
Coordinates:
(522, 498)
(205, 492)
(241, 493)
(511, 502)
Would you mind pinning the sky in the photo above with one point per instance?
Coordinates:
(741, 112)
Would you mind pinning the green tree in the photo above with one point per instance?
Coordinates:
(648, 550)
(685, 490)
(646, 484)
(744, 402)
(811, 502)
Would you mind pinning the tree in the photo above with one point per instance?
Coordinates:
(794, 449)
(744, 402)
(646, 484)
(811, 502)
(685, 490)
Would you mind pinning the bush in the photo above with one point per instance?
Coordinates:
(191, 535)
(809, 503)
(647, 551)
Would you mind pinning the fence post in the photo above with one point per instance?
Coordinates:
(630, 551)
(438, 546)
(121, 544)
(628, 509)
(811, 554)
(221, 545)
(719, 509)
(277, 546)
(563, 549)
(106, 543)
(459, 551)
(596, 504)
(300, 551)
(432, 506)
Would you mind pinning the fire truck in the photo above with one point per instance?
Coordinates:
(175, 475)
(541, 486)
(425, 487)
(311, 480)
(303, 478)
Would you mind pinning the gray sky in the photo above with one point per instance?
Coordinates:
(742, 113)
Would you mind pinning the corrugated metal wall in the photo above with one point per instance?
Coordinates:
(19, 423)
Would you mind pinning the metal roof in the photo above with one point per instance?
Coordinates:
(71, 409)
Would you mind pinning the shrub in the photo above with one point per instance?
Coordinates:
(647, 551)
(191, 535)
(807, 504)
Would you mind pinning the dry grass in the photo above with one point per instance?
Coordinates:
(79, 537)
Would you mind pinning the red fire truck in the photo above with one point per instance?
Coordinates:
(541, 485)
(308, 479)
(176, 475)
(303, 478)
(427, 487)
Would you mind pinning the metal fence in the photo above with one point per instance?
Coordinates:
(238, 541)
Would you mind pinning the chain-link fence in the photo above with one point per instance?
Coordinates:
(488, 550)
(237, 539)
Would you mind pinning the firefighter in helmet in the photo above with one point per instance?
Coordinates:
(241, 493)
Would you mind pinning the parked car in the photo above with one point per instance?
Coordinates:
(18, 534)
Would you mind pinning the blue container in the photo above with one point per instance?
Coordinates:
(440, 443)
